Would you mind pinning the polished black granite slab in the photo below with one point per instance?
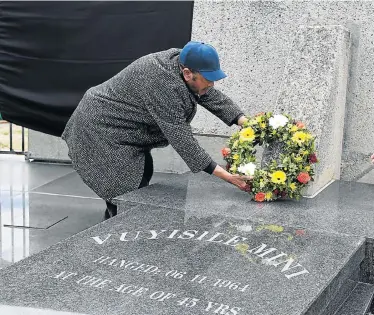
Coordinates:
(41, 216)
(343, 207)
(359, 301)
(20, 175)
(72, 185)
(26, 210)
(163, 260)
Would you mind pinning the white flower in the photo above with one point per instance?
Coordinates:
(278, 121)
(247, 169)
(245, 228)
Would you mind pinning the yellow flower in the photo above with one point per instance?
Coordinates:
(233, 168)
(298, 159)
(274, 228)
(304, 152)
(278, 177)
(299, 137)
(235, 144)
(294, 128)
(252, 122)
(268, 195)
(307, 168)
(242, 248)
(308, 136)
(247, 134)
(263, 125)
(292, 186)
(258, 119)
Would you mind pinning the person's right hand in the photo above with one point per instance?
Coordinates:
(372, 159)
(239, 181)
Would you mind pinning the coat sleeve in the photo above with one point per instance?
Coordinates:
(168, 114)
(221, 106)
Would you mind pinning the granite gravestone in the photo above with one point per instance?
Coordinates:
(314, 92)
(157, 260)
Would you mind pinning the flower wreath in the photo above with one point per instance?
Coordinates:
(294, 171)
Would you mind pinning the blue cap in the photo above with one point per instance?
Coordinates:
(202, 58)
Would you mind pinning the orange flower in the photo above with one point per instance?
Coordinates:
(303, 178)
(226, 152)
(260, 114)
(260, 196)
(300, 125)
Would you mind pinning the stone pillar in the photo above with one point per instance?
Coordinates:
(47, 148)
(314, 92)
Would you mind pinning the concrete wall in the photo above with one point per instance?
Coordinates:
(253, 39)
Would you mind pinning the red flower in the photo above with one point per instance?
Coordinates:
(303, 177)
(313, 158)
(300, 232)
(248, 188)
(283, 194)
(300, 125)
(260, 196)
(228, 167)
(260, 114)
(276, 192)
(226, 152)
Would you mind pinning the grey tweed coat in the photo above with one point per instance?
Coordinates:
(146, 105)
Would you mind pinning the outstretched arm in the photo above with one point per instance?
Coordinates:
(169, 117)
(221, 106)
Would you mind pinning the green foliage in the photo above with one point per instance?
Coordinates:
(277, 180)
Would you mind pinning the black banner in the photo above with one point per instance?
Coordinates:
(52, 52)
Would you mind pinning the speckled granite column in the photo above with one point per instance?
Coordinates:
(314, 92)
(47, 147)
(367, 266)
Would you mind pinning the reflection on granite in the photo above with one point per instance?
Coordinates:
(72, 185)
(20, 175)
(192, 264)
(14, 310)
(19, 211)
(41, 215)
(343, 207)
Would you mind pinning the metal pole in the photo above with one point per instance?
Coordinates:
(23, 139)
(11, 136)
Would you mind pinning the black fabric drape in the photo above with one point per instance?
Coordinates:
(52, 52)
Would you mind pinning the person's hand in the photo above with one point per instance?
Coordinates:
(240, 181)
(372, 158)
(241, 121)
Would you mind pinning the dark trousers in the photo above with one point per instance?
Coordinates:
(147, 176)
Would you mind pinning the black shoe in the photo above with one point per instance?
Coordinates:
(106, 214)
(109, 213)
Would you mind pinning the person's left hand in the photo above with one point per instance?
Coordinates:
(241, 121)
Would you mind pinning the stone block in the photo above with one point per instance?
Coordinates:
(314, 92)
(46, 147)
(157, 260)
